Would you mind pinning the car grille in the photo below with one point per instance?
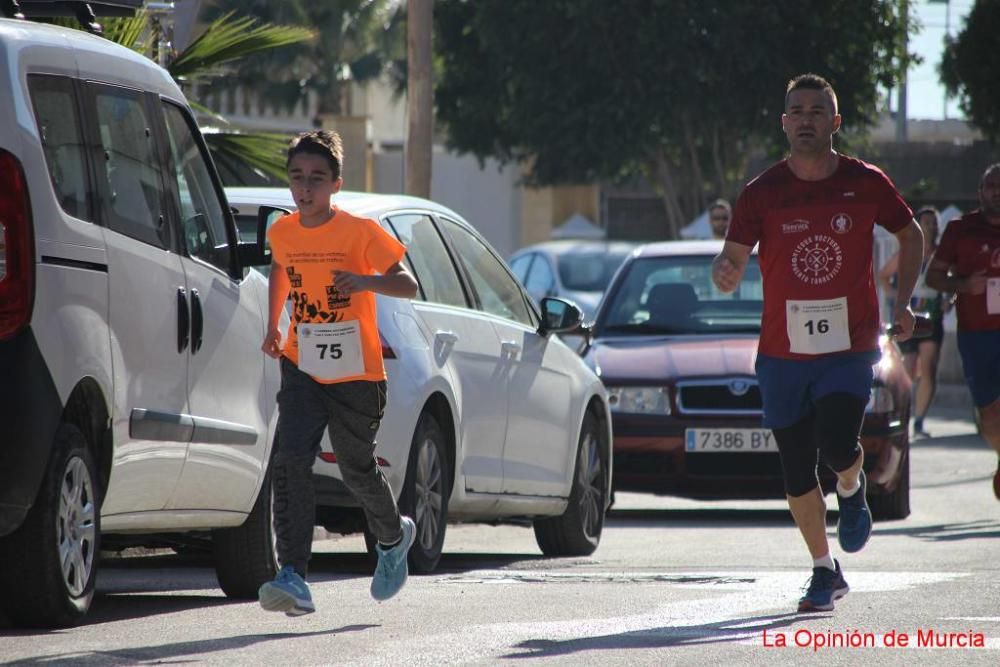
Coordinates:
(733, 465)
(732, 396)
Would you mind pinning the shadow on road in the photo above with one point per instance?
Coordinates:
(733, 630)
(949, 532)
(733, 518)
(178, 650)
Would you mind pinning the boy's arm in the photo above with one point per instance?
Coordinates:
(278, 286)
(396, 281)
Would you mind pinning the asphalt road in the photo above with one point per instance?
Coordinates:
(673, 582)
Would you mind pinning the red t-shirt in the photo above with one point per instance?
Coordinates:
(971, 244)
(816, 241)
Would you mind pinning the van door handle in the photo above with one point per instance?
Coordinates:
(448, 337)
(183, 320)
(197, 322)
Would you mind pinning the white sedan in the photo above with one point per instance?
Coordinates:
(489, 417)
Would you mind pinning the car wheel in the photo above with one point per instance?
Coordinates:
(896, 504)
(245, 556)
(578, 531)
(48, 566)
(425, 493)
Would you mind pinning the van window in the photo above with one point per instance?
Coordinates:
(203, 220)
(131, 176)
(57, 115)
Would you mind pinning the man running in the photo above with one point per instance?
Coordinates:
(814, 214)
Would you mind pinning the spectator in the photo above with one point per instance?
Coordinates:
(921, 355)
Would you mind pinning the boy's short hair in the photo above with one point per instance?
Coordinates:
(812, 82)
(325, 143)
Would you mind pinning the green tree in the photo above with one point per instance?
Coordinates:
(969, 68)
(680, 91)
(357, 40)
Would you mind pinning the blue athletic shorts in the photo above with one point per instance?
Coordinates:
(790, 387)
(980, 352)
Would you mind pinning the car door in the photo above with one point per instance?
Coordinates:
(230, 402)
(538, 442)
(147, 299)
(465, 342)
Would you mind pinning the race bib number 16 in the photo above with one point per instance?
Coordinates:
(993, 296)
(818, 327)
(331, 351)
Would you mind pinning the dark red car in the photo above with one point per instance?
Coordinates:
(677, 357)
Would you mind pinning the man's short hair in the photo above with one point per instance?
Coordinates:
(812, 82)
(720, 203)
(325, 143)
(986, 172)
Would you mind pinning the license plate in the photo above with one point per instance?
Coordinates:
(722, 440)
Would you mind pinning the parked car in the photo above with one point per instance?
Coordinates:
(677, 357)
(576, 270)
(489, 416)
(137, 406)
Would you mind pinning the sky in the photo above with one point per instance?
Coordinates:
(925, 98)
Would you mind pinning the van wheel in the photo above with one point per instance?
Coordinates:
(246, 557)
(425, 493)
(896, 504)
(48, 566)
(578, 531)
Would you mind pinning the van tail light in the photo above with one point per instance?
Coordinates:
(330, 457)
(17, 251)
(387, 351)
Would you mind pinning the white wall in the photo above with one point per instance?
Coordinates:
(488, 198)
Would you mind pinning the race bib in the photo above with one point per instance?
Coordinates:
(331, 351)
(818, 327)
(993, 296)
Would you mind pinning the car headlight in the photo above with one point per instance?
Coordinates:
(880, 401)
(639, 400)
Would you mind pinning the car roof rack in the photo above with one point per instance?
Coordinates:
(85, 11)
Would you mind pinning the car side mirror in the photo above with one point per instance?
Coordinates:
(559, 316)
(266, 216)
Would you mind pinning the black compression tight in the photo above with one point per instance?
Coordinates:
(830, 430)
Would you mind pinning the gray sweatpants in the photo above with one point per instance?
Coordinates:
(352, 411)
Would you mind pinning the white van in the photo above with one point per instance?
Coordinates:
(135, 401)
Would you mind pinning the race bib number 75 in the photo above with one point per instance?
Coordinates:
(331, 351)
(818, 327)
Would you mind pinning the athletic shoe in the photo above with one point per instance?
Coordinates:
(824, 587)
(288, 593)
(392, 571)
(921, 434)
(854, 526)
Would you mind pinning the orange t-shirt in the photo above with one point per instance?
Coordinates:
(311, 256)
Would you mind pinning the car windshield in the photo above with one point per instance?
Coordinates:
(588, 271)
(676, 295)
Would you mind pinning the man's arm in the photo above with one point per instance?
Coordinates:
(941, 277)
(729, 265)
(396, 281)
(911, 256)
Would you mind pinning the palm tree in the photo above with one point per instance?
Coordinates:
(358, 40)
(225, 41)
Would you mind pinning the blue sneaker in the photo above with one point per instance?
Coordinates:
(825, 586)
(392, 571)
(854, 526)
(288, 593)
